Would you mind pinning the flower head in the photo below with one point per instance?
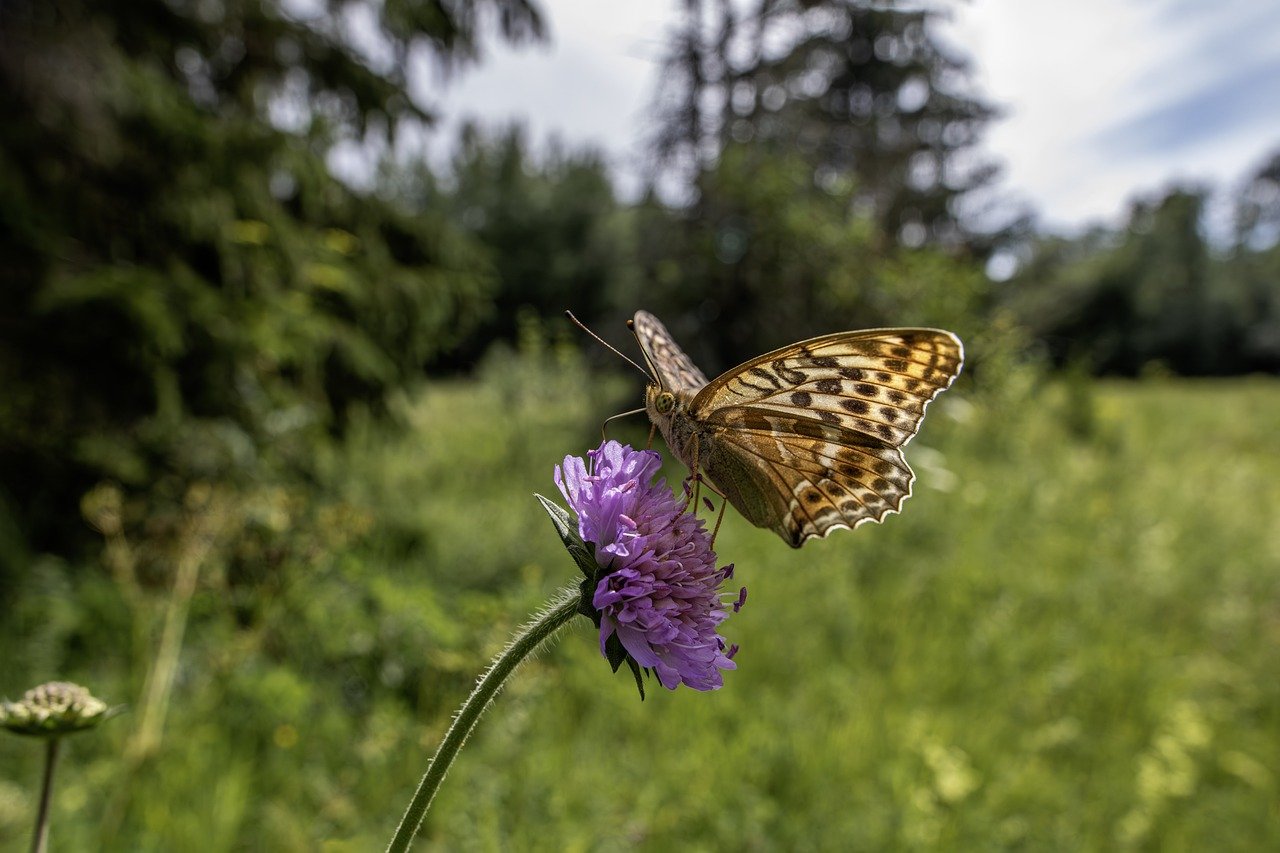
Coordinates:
(658, 588)
(53, 709)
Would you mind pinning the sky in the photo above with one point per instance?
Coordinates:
(1102, 100)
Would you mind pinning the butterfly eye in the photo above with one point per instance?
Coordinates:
(664, 402)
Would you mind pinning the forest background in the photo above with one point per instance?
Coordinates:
(254, 419)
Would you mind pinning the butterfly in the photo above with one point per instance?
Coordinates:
(808, 438)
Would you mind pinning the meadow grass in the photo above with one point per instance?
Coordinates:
(1069, 640)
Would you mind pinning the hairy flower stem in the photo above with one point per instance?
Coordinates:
(40, 840)
(554, 616)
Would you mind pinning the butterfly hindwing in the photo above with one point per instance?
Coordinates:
(827, 479)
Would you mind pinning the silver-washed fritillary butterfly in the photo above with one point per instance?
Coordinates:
(808, 438)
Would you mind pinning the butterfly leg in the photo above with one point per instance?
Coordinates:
(693, 497)
(695, 477)
(715, 531)
(690, 486)
(693, 494)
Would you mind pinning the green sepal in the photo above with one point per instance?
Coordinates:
(586, 599)
(635, 670)
(582, 552)
(616, 654)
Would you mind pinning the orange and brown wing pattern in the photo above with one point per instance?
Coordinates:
(807, 439)
(823, 421)
(876, 383)
(828, 479)
(676, 370)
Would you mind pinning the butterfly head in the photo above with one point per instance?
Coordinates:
(665, 409)
(660, 404)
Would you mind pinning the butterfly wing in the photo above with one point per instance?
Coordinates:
(676, 371)
(808, 437)
(803, 488)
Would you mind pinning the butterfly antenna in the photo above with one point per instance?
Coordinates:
(608, 346)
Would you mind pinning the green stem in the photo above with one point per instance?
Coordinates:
(40, 841)
(159, 684)
(557, 613)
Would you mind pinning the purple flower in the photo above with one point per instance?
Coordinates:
(659, 588)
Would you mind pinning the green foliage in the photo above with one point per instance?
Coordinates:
(229, 503)
(863, 93)
(1159, 291)
(558, 238)
(1057, 644)
(768, 257)
(189, 293)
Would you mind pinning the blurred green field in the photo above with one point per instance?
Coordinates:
(1069, 640)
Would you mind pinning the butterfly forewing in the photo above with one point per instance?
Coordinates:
(805, 440)
(876, 382)
(676, 370)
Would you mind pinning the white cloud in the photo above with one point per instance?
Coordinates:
(591, 87)
(1082, 83)
(1078, 80)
